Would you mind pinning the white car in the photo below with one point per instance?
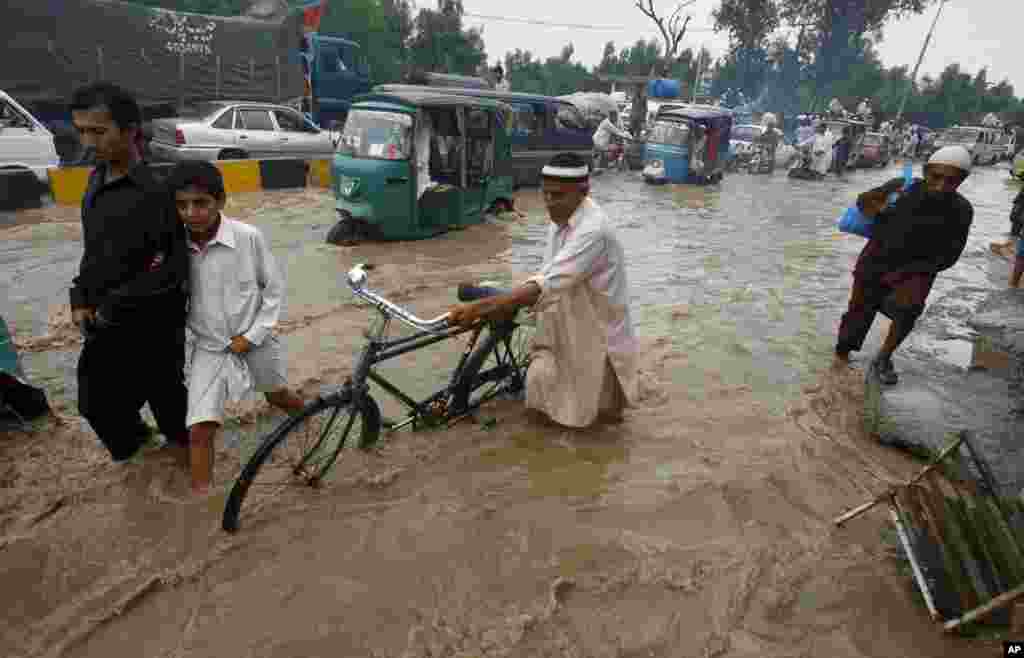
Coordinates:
(25, 143)
(235, 130)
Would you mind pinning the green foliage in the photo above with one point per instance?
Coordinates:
(211, 7)
(834, 57)
(440, 44)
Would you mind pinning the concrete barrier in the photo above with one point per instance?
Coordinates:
(19, 189)
(67, 184)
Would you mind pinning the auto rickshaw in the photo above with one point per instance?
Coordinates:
(387, 189)
(688, 144)
(874, 151)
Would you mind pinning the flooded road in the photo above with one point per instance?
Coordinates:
(698, 527)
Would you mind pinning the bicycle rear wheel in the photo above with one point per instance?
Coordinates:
(301, 452)
(497, 365)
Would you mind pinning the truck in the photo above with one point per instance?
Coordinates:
(171, 60)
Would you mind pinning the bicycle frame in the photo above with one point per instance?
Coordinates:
(380, 349)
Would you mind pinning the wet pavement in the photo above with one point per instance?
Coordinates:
(698, 527)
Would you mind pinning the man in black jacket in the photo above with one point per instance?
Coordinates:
(1017, 215)
(130, 295)
(922, 234)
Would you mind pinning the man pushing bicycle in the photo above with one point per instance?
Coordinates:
(584, 353)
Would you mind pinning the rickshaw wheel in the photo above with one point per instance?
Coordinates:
(343, 233)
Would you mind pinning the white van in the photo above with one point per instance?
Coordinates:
(25, 143)
(981, 141)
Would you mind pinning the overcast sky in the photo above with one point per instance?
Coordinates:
(975, 33)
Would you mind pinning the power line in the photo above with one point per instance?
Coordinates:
(578, 26)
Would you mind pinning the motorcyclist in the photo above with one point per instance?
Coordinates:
(603, 136)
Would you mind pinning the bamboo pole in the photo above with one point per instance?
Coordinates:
(951, 560)
(922, 584)
(857, 511)
(998, 602)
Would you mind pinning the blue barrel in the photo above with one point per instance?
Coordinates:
(663, 88)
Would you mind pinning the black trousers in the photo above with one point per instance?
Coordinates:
(122, 368)
(900, 296)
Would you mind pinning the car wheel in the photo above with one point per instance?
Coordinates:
(232, 154)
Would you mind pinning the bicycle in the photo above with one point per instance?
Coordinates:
(303, 451)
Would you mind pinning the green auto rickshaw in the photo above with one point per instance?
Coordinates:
(413, 164)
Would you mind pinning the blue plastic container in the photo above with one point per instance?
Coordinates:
(855, 222)
(663, 88)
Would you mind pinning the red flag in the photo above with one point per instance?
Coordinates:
(312, 12)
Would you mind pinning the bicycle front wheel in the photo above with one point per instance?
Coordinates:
(300, 453)
(497, 365)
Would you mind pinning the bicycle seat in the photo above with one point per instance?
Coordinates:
(469, 292)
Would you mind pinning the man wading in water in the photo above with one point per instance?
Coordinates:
(585, 350)
(129, 296)
(922, 234)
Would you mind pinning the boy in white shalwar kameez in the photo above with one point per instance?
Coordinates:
(585, 351)
(235, 301)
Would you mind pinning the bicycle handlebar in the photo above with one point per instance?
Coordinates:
(357, 279)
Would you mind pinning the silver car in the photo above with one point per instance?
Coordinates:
(25, 143)
(233, 130)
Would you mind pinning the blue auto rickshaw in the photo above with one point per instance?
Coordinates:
(688, 144)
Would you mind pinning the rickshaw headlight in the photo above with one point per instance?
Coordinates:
(348, 187)
(657, 164)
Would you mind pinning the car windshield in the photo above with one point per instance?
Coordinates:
(745, 133)
(376, 135)
(960, 136)
(202, 110)
(665, 132)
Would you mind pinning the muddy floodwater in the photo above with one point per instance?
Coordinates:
(700, 526)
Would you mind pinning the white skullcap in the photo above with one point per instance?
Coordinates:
(954, 156)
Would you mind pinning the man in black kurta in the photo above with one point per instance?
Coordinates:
(130, 295)
(922, 234)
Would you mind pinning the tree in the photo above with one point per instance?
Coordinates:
(209, 7)
(441, 45)
(609, 59)
(672, 28)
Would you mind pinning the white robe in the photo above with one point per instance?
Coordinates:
(423, 135)
(821, 153)
(585, 350)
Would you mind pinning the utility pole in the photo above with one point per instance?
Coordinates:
(920, 58)
(696, 78)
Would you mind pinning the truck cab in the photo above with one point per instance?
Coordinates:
(339, 73)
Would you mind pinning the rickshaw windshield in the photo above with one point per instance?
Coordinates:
(872, 140)
(376, 135)
(665, 132)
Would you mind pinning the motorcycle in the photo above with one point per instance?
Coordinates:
(612, 158)
(802, 169)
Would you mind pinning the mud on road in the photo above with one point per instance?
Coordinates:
(700, 526)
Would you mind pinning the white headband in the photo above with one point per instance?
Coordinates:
(565, 172)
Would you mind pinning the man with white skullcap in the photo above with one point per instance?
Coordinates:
(921, 234)
(585, 350)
